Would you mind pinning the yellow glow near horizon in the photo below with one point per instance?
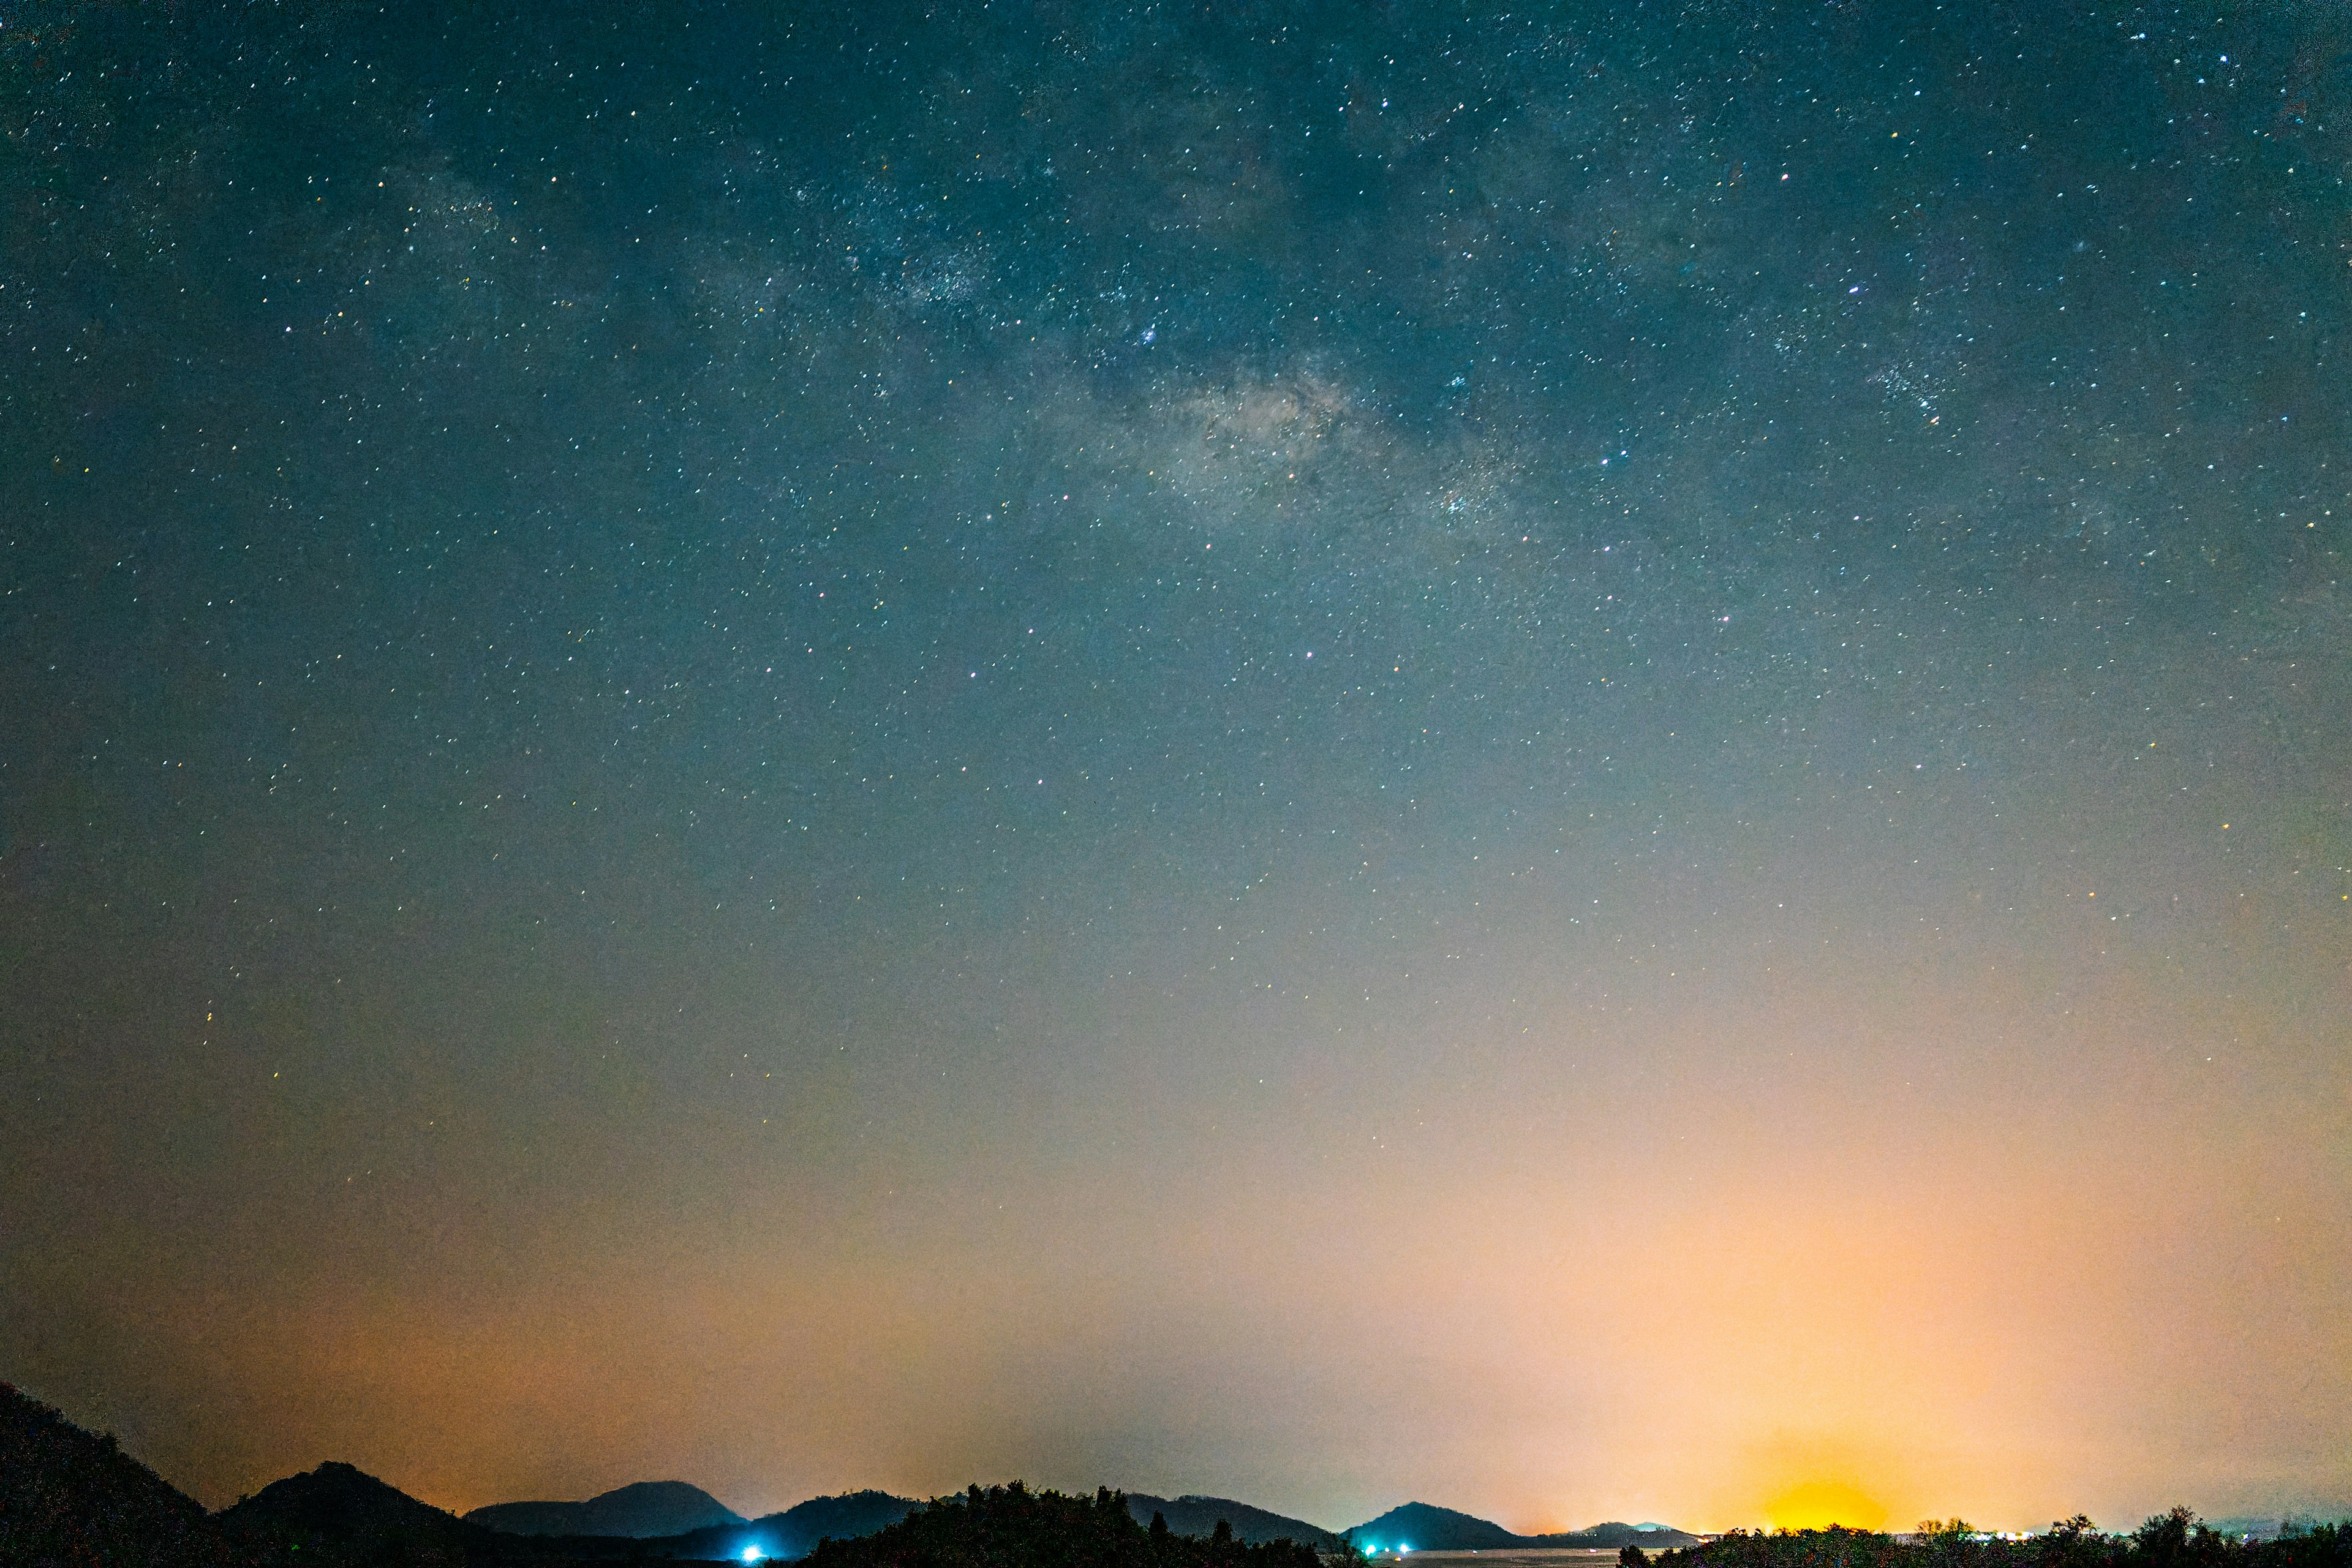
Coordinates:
(1817, 1505)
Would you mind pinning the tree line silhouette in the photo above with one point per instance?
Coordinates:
(1013, 1526)
(2174, 1540)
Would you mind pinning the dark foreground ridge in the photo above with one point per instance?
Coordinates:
(67, 1496)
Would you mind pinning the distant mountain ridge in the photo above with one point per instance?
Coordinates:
(639, 1510)
(1615, 1532)
(1424, 1527)
(72, 1498)
(795, 1532)
(1193, 1514)
(1013, 1526)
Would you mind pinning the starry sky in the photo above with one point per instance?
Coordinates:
(1588, 761)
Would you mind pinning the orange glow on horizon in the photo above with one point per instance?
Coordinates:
(1817, 1505)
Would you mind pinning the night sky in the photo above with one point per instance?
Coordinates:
(1590, 762)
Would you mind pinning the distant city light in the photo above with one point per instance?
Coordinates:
(752, 1554)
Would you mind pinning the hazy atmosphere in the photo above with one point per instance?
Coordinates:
(1593, 762)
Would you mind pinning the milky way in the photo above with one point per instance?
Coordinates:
(1587, 761)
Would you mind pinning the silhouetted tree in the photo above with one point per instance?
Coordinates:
(2164, 1540)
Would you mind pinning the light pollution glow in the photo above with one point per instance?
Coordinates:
(664, 809)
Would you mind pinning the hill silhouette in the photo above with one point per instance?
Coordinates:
(1615, 1532)
(1011, 1525)
(795, 1532)
(338, 1513)
(72, 1497)
(1193, 1514)
(1427, 1528)
(638, 1510)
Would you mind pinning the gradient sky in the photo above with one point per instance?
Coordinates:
(1590, 762)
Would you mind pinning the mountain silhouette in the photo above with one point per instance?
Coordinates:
(640, 1510)
(793, 1532)
(339, 1514)
(1426, 1528)
(67, 1496)
(1649, 1537)
(1193, 1514)
(1013, 1526)
(72, 1498)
